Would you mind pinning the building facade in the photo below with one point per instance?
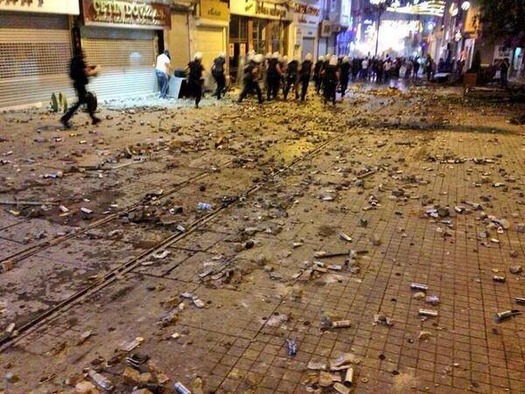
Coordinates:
(35, 47)
(123, 38)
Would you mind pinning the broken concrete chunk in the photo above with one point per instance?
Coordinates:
(424, 335)
(85, 387)
(325, 379)
(341, 388)
(515, 269)
(383, 320)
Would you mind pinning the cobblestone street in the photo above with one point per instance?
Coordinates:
(380, 237)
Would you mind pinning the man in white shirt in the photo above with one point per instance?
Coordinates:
(162, 70)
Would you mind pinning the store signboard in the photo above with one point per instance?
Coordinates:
(214, 9)
(69, 7)
(345, 12)
(261, 9)
(119, 13)
(307, 13)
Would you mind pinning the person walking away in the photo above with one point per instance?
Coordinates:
(428, 67)
(356, 65)
(250, 78)
(292, 77)
(162, 69)
(273, 75)
(217, 71)
(504, 71)
(318, 68)
(79, 72)
(417, 65)
(330, 80)
(345, 75)
(304, 74)
(387, 67)
(380, 71)
(195, 70)
(364, 69)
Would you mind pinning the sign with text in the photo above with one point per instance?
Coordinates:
(69, 7)
(126, 14)
(307, 14)
(214, 9)
(261, 9)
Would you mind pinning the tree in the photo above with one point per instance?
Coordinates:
(503, 19)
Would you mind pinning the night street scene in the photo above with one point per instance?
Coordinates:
(262, 196)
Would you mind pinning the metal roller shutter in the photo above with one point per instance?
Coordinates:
(127, 59)
(33, 61)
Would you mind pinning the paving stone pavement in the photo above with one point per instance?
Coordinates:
(379, 184)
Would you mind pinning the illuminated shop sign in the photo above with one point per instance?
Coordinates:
(261, 9)
(124, 14)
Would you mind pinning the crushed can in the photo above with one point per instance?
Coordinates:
(499, 279)
(292, 347)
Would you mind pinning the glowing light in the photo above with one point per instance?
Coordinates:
(465, 5)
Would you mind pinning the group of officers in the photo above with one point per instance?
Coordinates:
(277, 72)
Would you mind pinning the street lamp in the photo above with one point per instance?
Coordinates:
(379, 6)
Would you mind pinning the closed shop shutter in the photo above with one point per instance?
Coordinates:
(127, 58)
(210, 41)
(34, 56)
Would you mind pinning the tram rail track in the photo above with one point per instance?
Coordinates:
(113, 275)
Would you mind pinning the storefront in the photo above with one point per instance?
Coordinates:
(211, 31)
(307, 16)
(35, 48)
(123, 37)
(261, 26)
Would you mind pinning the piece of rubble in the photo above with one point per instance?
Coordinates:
(432, 299)
(7, 265)
(325, 379)
(424, 335)
(130, 345)
(345, 360)
(383, 320)
(85, 387)
(515, 269)
(100, 380)
(341, 388)
(345, 237)
(161, 254)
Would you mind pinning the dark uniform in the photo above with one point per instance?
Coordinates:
(330, 83)
(304, 77)
(318, 68)
(195, 80)
(77, 72)
(218, 74)
(292, 73)
(345, 76)
(273, 76)
(250, 83)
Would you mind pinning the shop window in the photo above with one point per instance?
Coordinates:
(238, 28)
(259, 35)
